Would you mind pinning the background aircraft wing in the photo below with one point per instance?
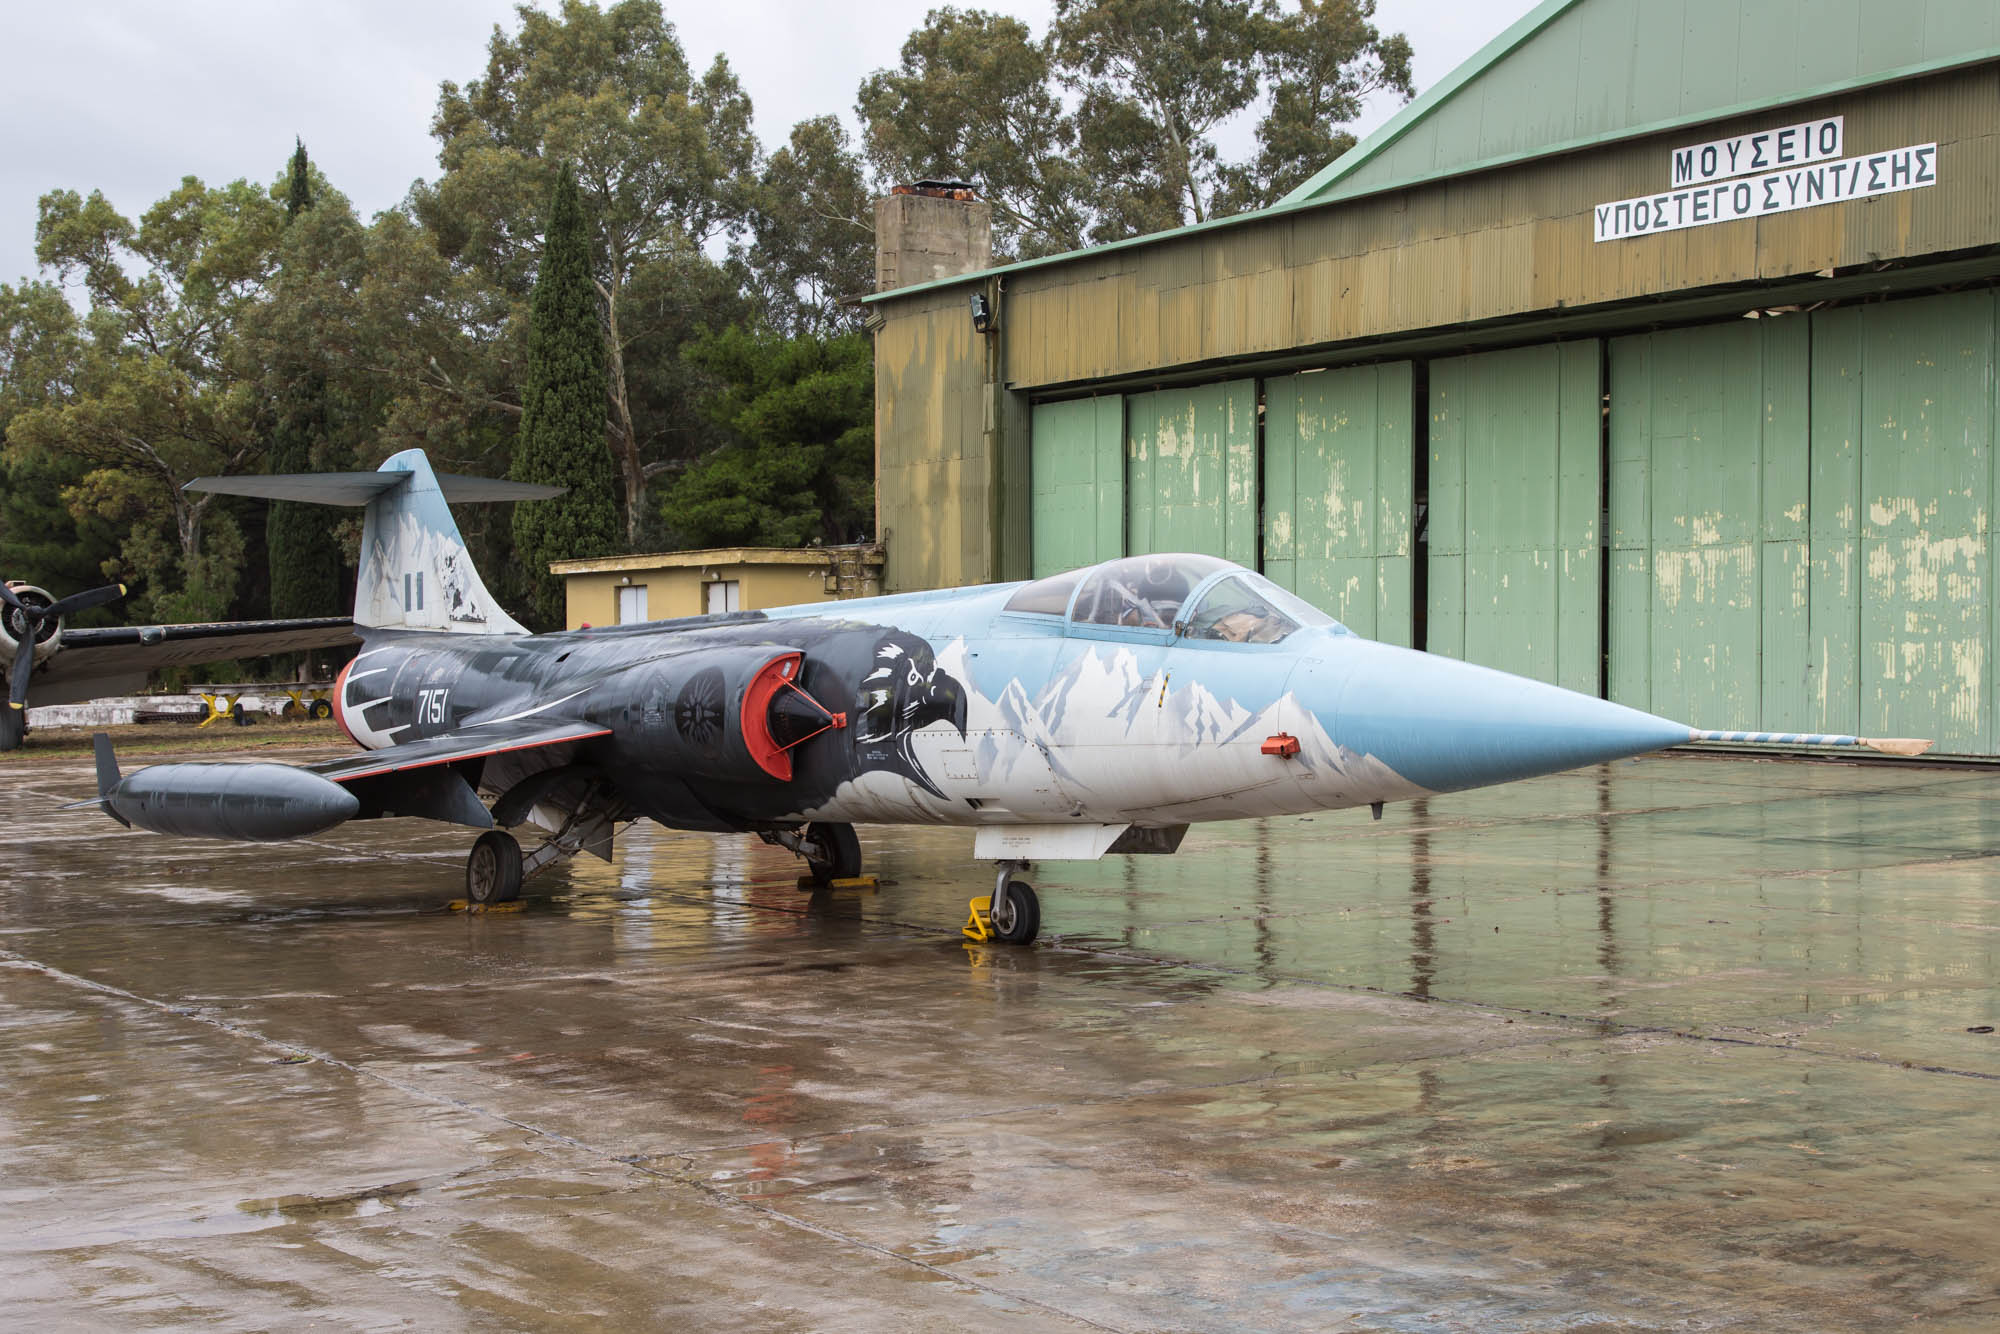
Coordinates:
(116, 659)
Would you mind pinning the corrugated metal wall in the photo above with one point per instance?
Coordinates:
(1903, 494)
(1709, 433)
(1515, 499)
(1191, 471)
(1078, 477)
(1801, 522)
(1338, 494)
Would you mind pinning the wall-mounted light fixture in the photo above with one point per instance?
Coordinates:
(982, 313)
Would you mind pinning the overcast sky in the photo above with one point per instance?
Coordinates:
(128, 96)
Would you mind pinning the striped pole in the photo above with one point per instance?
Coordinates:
(1887, 745)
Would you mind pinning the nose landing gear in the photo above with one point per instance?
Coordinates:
(1012, 914)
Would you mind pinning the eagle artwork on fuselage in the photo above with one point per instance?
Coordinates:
(1102, 710)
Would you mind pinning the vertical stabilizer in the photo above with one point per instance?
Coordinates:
(415, 571)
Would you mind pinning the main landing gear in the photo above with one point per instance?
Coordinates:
(832, 851)
(493, 870)
(496, 866)
(1012, 915)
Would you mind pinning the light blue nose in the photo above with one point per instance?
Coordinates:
(1448, 725)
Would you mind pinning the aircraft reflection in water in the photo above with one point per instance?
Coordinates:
(1102, 710)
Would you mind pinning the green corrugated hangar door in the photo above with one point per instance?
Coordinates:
(1800, 522)
(1515, 485)
(1338, 493)
(1709, 435)
(1191, 471)
(1077, 477)
(1903, 493)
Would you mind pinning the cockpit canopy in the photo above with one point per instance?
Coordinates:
(1195, 597)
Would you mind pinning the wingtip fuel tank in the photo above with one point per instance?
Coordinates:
(256, 803)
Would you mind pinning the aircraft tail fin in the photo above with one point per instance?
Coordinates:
(415, 571)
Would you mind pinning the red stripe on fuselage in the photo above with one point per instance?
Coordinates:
(391, 766)
(339, 713)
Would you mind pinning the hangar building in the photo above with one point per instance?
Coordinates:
(1652, 352)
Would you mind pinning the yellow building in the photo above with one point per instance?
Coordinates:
(621, 590)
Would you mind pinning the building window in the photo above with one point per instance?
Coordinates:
(722, 596)
(632, 604)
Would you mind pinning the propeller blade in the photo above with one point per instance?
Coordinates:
(90, 597)
(24, 667)
(7, 595)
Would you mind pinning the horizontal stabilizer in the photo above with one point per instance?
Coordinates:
(1905, 746)
(358, 488)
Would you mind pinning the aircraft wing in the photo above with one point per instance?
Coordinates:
(479, 744)
(116, 659)
(420, 779)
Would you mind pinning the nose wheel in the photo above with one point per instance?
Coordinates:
(1012, 914)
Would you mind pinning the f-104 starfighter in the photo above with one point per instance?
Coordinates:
(1100, 711)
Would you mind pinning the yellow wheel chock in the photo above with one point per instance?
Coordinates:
(302, 701)
(979, 923)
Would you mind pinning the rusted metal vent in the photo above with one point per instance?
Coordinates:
(939, 190)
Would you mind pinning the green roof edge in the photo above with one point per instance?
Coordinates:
(1432, 98)
(1289, 204)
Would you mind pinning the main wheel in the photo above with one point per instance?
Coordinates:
(1017, 914)
(493, 869)
(839, 852)
(320, 709)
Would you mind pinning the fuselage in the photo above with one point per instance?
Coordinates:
(1049, 703)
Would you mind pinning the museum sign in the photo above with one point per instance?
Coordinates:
(1770, 171)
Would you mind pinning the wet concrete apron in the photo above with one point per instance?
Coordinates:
(1675, 1044)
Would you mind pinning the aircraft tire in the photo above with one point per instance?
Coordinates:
(843, 844)
(320, 709)
(1020, 918)
(493, 869)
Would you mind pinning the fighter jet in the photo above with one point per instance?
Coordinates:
(1104, 710)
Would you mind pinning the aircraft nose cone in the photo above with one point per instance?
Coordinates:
(1448, 725)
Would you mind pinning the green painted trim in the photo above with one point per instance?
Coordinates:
(1431, 99)
(1290, 205)
(1942, 65)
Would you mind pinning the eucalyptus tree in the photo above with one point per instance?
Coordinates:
(159, 390)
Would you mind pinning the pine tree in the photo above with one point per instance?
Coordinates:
(305, 557)
(561, 439)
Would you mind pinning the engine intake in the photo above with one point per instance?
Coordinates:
(732, 714)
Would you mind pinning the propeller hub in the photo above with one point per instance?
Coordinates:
(26, 617)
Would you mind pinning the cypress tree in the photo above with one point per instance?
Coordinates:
(298, 197)
(561, 438)
(305, 558)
